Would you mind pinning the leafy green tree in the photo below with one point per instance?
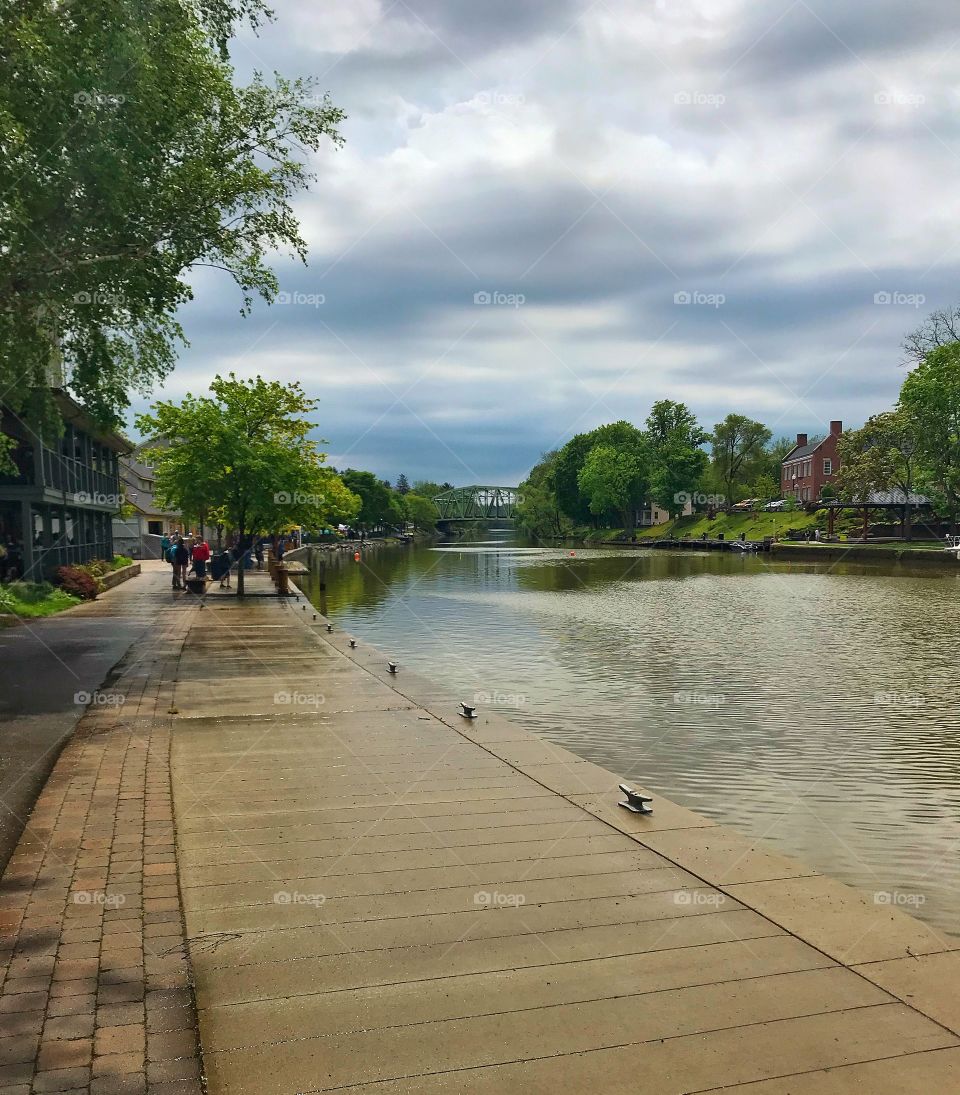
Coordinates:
(765, 488)
(428, 489)
(930, 402)
(572, 499)
(130, 158)
(244, 453)
(678, 461)
(737, 441)
(378, 503)
(538, 512)
(420, 511)
(881, 456)
(615, 480)
(403, 485)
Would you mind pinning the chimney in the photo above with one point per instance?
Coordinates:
(801, 439)
(836, 428)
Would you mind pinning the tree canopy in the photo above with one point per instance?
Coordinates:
(244, 455)
(130, 158)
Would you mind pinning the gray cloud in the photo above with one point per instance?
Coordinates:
(600, 160)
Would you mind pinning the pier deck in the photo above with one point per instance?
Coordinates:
(383, 896)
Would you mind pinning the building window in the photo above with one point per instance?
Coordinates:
(155, 528)
(827, 466)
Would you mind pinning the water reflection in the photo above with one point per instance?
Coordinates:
(813, 706)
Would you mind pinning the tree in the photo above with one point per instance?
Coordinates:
(571, 458)
(940, 328)
(678, 462)
(403, 485)
(881, 456)
(737, 441)
(377, 505)
(765, 488)
(129, 159)
(930, 403)
(244, 453)
(420, 511)
(538, 512)
(427, 489)
(614, 480)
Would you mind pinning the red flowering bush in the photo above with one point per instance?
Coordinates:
(78, 581)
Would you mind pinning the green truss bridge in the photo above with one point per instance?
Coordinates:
(477, 503)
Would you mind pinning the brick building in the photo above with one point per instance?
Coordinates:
(810, 466)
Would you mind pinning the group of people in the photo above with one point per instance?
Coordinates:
(182, 551)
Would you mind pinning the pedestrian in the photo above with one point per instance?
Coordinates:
(181, 556)
(258, 551)
(200, 556)
(220, 567)
(165, 543)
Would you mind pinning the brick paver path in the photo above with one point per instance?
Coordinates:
(95, 992)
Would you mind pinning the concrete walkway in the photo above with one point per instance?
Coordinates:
(382, 895)
(47, 668)
(95, 990)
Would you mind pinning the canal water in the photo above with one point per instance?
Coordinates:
(814, 706)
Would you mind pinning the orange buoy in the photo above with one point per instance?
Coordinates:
(356, 556)
(573, 553)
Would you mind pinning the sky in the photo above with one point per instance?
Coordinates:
(549, 214)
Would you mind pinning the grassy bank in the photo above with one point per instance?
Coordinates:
(32, 600)
(755, 525)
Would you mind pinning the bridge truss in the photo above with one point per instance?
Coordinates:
(477, 503)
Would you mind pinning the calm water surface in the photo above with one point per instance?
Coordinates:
(814, 707)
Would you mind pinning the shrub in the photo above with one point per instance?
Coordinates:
(29, 593)
(78, 581)
(120, 561)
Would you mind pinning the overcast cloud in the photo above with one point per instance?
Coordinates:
(790, 170)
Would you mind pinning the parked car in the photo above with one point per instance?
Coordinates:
(746, 504)
(778, 504)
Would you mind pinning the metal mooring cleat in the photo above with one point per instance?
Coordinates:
(353, 644)
(467, 711)
(635, 802)
(392, 667)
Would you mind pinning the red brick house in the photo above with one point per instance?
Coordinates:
(809, 467)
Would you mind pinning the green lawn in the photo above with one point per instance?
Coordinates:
(32, 601)
(756, 525)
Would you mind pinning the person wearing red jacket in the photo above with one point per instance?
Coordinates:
(199, 556)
